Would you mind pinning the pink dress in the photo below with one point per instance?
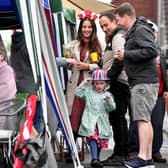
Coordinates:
(102, 143)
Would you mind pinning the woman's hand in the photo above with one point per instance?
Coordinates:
(82, 66)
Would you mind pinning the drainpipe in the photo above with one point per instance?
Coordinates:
(161, 23)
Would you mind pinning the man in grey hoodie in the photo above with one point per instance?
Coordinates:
(139, 57)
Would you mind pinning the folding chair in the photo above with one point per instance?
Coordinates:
(22, 95)
(81, 146)
(10, 116)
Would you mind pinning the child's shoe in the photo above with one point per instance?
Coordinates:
(96, 163)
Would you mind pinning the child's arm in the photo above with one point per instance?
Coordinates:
(110, 104)
(80, 91)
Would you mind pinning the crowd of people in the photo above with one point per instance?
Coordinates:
(128, 75)
(135, 66)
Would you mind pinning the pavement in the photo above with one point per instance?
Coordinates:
(107, 152)
(104, 155)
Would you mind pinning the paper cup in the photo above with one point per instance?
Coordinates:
(94, 57)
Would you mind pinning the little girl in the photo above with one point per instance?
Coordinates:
(95, 123)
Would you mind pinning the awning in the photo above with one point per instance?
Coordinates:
(66, 4)
(94, 5)
(8, 15)
(70, 15)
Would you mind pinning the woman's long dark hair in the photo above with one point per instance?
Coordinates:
(94, 44)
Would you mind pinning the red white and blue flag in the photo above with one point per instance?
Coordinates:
(45, 3)
(47, 9)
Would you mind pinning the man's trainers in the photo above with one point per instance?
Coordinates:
(150, 163)
(159, 159)
(114, 160)
(136, 163)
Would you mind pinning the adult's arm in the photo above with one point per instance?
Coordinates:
(117, 66)
(163, 69)
(115, 69)
(61, 61)
(144, 47)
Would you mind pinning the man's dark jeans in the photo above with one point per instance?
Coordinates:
(118, 120)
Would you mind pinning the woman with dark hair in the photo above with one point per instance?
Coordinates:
(86, 43)
(92, 40)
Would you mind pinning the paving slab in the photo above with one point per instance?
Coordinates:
(107, 152)
(104, 155)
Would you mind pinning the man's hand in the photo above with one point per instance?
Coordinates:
(165, 95)
(120, 54)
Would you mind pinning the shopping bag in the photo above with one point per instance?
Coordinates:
(39, 152)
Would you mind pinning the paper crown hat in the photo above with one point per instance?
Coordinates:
(87, 14)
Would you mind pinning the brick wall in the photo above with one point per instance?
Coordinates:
(146, 8)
